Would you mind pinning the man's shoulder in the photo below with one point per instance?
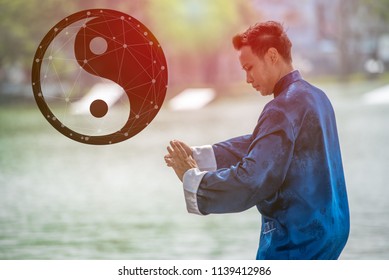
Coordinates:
(298, 99)
(299, 96)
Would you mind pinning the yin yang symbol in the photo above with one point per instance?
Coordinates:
(99, 76)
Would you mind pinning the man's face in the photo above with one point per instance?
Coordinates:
(260, 72)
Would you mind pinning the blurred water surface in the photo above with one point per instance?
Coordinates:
(60, 199)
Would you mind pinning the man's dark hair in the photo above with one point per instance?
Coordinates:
(262, 36)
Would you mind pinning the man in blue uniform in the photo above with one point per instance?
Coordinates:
(290, 167)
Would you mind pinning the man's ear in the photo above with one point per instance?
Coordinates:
(273, 55)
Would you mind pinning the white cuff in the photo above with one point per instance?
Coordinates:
(205, 157)
(191, 181)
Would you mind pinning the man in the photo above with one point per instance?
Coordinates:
(290, 167)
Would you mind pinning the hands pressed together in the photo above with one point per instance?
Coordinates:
(180, 158)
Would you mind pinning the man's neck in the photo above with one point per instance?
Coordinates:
(285, 70)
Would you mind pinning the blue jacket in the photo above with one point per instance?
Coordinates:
(290, 168)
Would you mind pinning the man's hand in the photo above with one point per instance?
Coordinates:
(180, 158)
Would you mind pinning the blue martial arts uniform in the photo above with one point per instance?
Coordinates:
(290, 168)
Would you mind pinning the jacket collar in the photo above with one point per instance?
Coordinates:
(285, 81)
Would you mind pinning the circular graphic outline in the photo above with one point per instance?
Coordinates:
(137, 120)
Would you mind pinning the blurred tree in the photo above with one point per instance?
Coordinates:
(376, 17)
(378, 20)
(196, 34)
(135, 8)
(379, 8)
(24, 23)
(347, 15)
(194, 25)
(360, 24)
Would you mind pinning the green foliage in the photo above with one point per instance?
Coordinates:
(189, 25)
(194, 25)
(24, 23)
(185, 27)
(379, 8)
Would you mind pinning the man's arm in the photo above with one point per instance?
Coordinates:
(257, 176)
(230, 152)
(219, 155)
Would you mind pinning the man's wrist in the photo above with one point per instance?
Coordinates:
(191, 182)
(204, 157)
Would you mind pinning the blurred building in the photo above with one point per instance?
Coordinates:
(310, 26)
(329, 36)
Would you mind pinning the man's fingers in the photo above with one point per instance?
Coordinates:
(169, 160)
(178, 157)
(173, 151)
(179, 151)
(170, 150)
(187, 148)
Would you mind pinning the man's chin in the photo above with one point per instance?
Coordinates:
(264, 93)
